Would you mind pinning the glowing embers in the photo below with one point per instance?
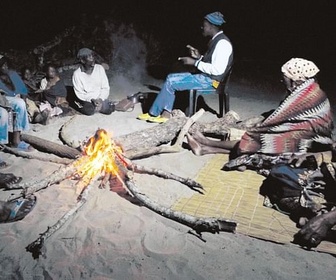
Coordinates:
(101, 157)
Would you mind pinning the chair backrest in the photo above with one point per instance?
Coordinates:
(224, 83)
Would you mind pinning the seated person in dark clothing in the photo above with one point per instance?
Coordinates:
(91, 85)
(50, 98)
(52, 88)
(305, 188)
(29, 80)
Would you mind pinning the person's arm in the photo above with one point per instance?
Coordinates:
(220, 59)
(20, 86)
(79, 87)
(315, 230)
(6, 90)
(105, 87)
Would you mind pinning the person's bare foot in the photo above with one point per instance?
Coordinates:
(200, 138)
(194, 145)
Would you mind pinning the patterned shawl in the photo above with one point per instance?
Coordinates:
(302, 118)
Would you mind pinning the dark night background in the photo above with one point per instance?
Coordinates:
(260, 30)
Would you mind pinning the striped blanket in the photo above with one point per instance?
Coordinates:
(303, 118)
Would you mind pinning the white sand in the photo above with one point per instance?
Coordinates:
(111, 238)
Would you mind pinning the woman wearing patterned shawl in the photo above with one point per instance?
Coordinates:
(302, 122)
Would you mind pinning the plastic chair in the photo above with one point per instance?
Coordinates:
(221, 90)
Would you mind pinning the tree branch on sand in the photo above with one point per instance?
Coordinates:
(199, 224)
(29, 155)
(37, 247)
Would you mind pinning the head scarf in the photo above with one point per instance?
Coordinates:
(84, 52)
(215, 18)
(299, 69)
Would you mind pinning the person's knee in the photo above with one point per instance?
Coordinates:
(18, 105)
(169, 77)
(3, 117)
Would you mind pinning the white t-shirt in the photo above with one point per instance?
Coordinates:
(91, 86)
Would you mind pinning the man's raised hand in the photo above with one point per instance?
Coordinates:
(194, 52)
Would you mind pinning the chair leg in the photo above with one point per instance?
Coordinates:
(191, 102)
(227, 102)
(221, 104)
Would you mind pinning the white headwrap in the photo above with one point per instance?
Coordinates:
(299, 69)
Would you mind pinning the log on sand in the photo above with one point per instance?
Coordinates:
(33, 155)
(51, 147)
(137, 142)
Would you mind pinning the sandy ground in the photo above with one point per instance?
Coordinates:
(112, 238)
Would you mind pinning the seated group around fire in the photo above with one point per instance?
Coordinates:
(301, 124)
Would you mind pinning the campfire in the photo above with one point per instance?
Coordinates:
(103, 160)
(102, 157)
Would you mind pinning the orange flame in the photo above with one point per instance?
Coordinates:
(101, 156)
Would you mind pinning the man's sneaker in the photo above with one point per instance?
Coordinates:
(157, 119)
(144, 117)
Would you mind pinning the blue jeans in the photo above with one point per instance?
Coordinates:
(177, 82)
(3, 126)
(21, 122)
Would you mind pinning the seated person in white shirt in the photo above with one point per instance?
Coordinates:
(212, 68)
(91, 85)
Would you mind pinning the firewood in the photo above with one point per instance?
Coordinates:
(39, 156)
(66, 135)
(37, 247)
(199, 224)
(175, 148)
(151, 140)
(165, 175)
(51, 147)
(34, 186)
